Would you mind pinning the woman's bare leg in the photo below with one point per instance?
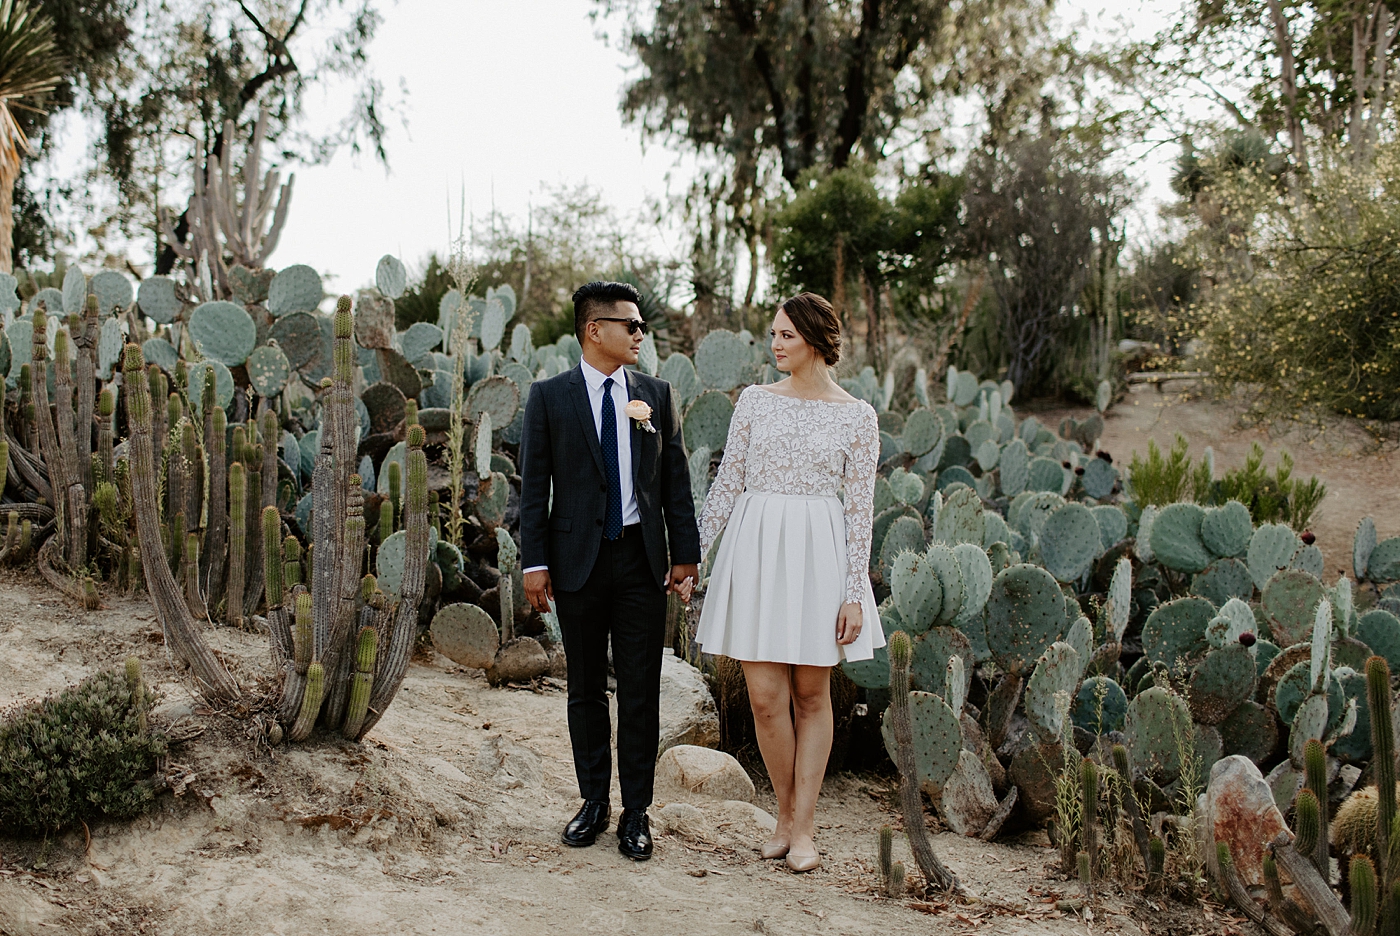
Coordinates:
(770, 696)
(814, 725)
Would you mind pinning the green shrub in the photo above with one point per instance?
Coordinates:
(1271, 498)
(82, 754)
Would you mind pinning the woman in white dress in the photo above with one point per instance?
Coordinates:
(789, 596)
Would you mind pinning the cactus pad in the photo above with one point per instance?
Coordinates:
(1293, 689)
(960, 519)
(907, 488)
(1113, 524)
(110, 342)
(1056, 672)
(249, 287)
(929, 667)
(1222, 580)
(420, 339)
(1271, 548)
(1176, 538)
(1143, 546)
(75, 290)
(679, 372)
(398, 453)
(295, 289)
(962, 387)
(1226, 530)
(1045, 474)
(916, 590)
(1384, 562)
(906, 534)
(1289, 600)
(1155, 718)
(720, 359)
(1356, 745)
(1175, 633)
(706, 421)
(1120, 598)
(224, 332)
(937, 738)
(987, 454)
(1100, 706)
(298, 334)
(955, 474)
(156, 298)
(1220, 682)
(1099, 478)
(498, 396)
(1362, 544)
(1025, 614)
(465, 634)
(1015, 468)
(873, 673)
(113, 291)
(1234, 619)
(390, 277)
(268, 370)
(976, 582)
(386, 404)
(1309, 559)
(922, 431)
(493, 323)
(51, 299)
(1380, 630)
(1251, 729)
(1070, 542)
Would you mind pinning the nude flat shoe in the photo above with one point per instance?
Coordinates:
(801, 864)
(773, 850)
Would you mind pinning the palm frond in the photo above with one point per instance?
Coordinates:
(30, 67)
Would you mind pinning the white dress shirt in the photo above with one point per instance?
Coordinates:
(593, 379)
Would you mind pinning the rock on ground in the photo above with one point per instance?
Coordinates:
(688, 713)
(509, 765)
(687, 769)
(1240, 809)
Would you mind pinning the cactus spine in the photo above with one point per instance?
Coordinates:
(179, 627)
(237, 541)
(901, 652)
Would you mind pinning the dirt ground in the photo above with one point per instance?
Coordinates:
(415, 832)
(1362, 478)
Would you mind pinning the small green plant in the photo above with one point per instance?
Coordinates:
(1161, 480)
(83, 754)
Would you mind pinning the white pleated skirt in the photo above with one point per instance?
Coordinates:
(778, 582)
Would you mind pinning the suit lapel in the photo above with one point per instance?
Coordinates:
(578, 389)
(634, 392)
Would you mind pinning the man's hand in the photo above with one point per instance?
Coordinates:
(539, 590)
(681, 580)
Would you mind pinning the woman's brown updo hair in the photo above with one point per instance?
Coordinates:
(817, 323)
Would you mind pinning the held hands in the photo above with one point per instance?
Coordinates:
(848, 622)
(681, 580)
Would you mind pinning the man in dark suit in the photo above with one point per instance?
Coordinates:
(616, 534)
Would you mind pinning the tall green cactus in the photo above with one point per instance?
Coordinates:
(193, 598)
(363, 681)
(215, 558)
(180, 630)
(1315, 772)
(395, 489)
(1364, 905)
(310, 703)
(934, 871)
(237, 541)
(278, 625)
(106, 407)
(1307, 816)
(291, 561)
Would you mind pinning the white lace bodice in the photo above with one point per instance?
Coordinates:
(786, 445)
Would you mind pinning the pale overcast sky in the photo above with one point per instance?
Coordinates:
(504, 95)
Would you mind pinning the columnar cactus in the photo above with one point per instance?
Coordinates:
(181, 632)
(363, 681)
(214, 558)
(934, 871)
(1315, 771)
(237, 540)
(279, 625)
(1378, 700)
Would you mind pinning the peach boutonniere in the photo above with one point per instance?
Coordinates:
(640, 414)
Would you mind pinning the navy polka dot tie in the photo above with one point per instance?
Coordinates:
(612, 526)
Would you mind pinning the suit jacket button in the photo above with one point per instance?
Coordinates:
(599, 522)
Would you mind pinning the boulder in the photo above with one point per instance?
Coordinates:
(521, 660)
(509, 765)
(684, 820)
(740, 813)
(968, 800)
(1240, 810)
(687, 769)
(1033, 772)
(688, 713)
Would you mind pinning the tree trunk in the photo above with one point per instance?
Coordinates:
(9, 172)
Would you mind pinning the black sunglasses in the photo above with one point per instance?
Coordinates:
(633, 325)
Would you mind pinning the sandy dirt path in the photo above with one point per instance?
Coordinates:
(415, 833)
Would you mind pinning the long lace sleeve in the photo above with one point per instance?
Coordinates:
(729, 480)
(859, 484)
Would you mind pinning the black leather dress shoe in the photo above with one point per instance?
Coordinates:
(583, 829)
(634, 834)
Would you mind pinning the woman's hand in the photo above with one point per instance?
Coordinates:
(848, 623)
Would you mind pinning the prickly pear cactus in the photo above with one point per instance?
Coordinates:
(907, 488)
(1120, 598)
(916, 590)
(1025, 614)
(1226, 530)
(1015, 468)
(1289, 599)
(959, 519)
(1176, 538)
(1222, 580)
(1234, 620)
(1056, 672)
(75, 290)
(295, 289)
(1046, 474)
(109, 348)
(906, 534)
(268, 370)
(977, 576)
(1175, 633)
(1221, 682)
(390, 277)
(497, 395)
(1100, 706)
(945, 564)
(223, 384)
(1380, 630)
(1363, 543)
(1113, 525)
(224, 332)
(1070, 542)
(1156, 719)
(679, 372)
(420, 339)
(937, 739)
(932, 650)
(706, 422)
(922, 431)
(1271, 548)
(1383, 564)
(1251, 729)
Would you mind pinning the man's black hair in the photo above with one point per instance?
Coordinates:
(597, 298)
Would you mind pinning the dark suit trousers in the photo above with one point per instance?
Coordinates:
(620, 598)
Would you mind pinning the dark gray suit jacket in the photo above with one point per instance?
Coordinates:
(560, 444)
